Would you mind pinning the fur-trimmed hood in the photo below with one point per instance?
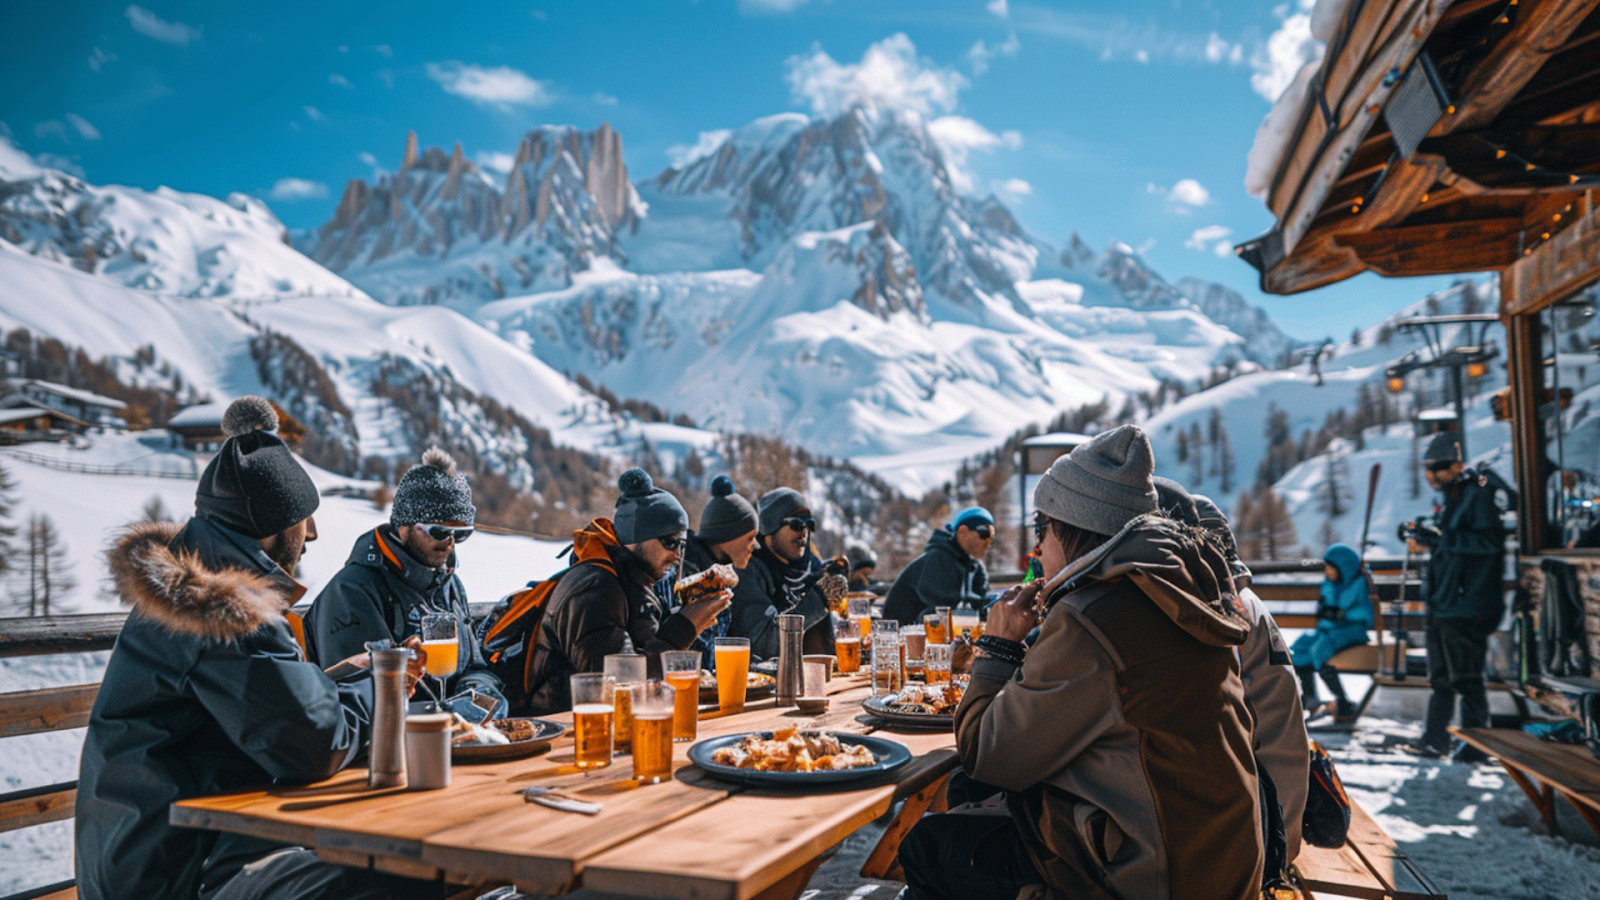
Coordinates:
(175, 588)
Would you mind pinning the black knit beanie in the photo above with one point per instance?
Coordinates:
(727, 515)
(433, 492)
(645, 511)
(778, 504)
(254, 485)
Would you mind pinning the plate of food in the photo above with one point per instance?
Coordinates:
(757, 686)
(501, 738)
(792, 756)
(919, 705)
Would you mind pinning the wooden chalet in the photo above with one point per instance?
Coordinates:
(1438, 138)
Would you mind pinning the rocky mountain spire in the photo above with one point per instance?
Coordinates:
(410, 159)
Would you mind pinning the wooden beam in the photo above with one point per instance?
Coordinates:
(1539, 31)
(41, 635)
(1438, 249)
(1525, 372)
(52, 709)
(1558, 268)
(36, 806)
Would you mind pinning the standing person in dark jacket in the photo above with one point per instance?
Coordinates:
(604, 601)
(784, 578)
(399, 572)
(206, 691)
(727, 536)
(1465, 595)
(949, 572)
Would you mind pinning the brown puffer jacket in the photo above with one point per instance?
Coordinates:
(1124, 739)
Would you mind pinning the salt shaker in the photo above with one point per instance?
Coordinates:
(387, 753)
(428, 752)
(790, 633)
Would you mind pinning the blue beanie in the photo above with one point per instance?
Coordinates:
(972, 515)
(644, 511)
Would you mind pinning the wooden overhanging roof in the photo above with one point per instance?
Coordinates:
(1443, 137)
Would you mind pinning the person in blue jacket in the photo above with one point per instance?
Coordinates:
(1344, 613)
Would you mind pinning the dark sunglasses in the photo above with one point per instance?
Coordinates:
(983, 532)
(1441, 466)
(1041, 524)
(672, 544)
(447, 532)
(800, 523)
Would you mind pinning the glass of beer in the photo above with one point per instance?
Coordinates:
(848, 648)
(653, 703)
(627, 669)
(936, 664)
(442, 644)
(965, 621)
(681, 669)
(861, 619)
(933, 627)
(594, 697)
(733, 672)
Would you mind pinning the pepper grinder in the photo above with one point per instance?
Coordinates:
(790, 676)
(387, 752)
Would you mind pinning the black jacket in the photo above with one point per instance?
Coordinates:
(771, 586)
(1466, 570)
(382, 593)
(698, 557)
(589, 614)
(944, 575)
(205, 693)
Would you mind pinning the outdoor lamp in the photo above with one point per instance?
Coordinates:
(1396, 384)
(1476, 370)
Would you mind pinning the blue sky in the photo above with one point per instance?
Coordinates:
(1127, 121)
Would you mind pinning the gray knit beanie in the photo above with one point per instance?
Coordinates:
(779, 504)
(433, 492)
(727, 515)
(1445, 447)
(1103, 484)
(644, 511)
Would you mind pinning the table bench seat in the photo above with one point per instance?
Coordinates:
(1543, 769)
(1368, 866)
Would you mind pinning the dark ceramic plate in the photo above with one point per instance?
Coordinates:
(544, 731)
(890, 756)
(878, 708)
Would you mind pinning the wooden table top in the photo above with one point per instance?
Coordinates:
(693, 837)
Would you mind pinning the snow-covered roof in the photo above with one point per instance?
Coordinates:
(199, 416)
(1058, 439)
(81, 396)
(1442, 414)
(23, 413)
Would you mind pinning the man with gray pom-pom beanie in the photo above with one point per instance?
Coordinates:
(604, 602)
(403, 570)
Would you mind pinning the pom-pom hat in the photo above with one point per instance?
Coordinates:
(254, 485)
(727, 515)
(433, 493)
(644, 511)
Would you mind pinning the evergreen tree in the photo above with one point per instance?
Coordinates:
(1225, 463)
(44, 574)
(154, 510)
(1333, 496)
(1196, 455)
(8, 531)
(1214, 439)
(1183, 447)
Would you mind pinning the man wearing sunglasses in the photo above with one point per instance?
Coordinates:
(949, 572)
(1463, 590)
(402, 570)
(782, 578)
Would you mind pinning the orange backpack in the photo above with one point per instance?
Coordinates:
(510, 634)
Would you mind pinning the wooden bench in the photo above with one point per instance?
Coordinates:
(1544, 769)
(1376, 661)
(1369, 866)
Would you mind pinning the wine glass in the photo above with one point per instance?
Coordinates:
(441, 640)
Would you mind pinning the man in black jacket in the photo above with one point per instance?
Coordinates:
(949, 572)
(784, 578)
(726, 536)
(1465, 594)
(206, 691)
(399, 572)
(604, 601)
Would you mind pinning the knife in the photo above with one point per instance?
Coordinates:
(554, 799)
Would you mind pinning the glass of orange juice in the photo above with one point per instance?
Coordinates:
(733, 672)
(441, 642)
(681, 669)
(594, 697)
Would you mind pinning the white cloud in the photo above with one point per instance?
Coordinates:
(681, 155)
(151, 25)
(888, 75)
(1116, 37)
(387, 77)
(1285, 52)
(494, 161)
(84, 128)
(770, 7)
(498, 86)
(981, 53)
(604, 99)
(50, 128)
(367, 158)
(292, 189)
(1013, 189)
(1211, 237)
(998, 7)
(338, 80)
(99, 58)
(1141, 56)
(344, 48)
(1182, 198)
(385, 51)
(314, 114)
(958, 137)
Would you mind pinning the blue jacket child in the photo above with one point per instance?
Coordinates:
(1344, 614)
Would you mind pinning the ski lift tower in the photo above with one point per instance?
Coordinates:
(1472, 357)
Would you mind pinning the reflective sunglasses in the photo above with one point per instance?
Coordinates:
(446, 532)
(983, 532)
(672, 544)
(1041, 524)
(800, 523)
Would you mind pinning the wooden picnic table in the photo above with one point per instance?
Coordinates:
(693, 837)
